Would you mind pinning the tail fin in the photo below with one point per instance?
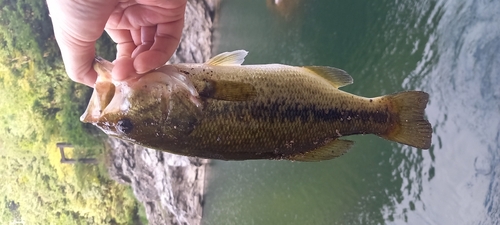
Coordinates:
(412, 128)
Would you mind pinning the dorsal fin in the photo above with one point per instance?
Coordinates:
(334, 149)
(234, 58)
(336, 77)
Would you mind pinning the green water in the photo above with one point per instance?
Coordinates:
(449, 49)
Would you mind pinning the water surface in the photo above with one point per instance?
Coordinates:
(447, 48)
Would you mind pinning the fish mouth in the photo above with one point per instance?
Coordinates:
(104, 87)
(104, 91)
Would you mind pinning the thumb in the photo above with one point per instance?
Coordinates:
(78, 58)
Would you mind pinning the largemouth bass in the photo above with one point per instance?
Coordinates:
(224, 110)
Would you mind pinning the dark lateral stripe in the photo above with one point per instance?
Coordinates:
(272, 113)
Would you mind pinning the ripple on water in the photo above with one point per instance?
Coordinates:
(460, 69)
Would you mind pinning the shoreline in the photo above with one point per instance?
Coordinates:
(171, 187)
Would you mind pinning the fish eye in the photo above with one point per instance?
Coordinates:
(124, 125)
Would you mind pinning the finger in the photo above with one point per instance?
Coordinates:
(137, 16)
(79, 69)
(172, 4)
(125, 44)
(150, 60)
(136, 36)
(166, 41)
(123, 69)
(120, 35)
(77, 41)
(148, 34)
(78, 57)
(124, 64)
(147, 40)
(125, 50)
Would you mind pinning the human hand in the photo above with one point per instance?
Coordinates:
(147, 32)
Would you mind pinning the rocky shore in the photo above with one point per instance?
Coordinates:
(170, 186)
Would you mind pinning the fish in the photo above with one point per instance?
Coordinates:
(224, 110)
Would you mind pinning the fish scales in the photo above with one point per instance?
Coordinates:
(223, 110)
(292, 111)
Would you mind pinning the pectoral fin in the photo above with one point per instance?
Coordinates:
(228, 90)
(234, 58)
(336, 77)
(332, 150)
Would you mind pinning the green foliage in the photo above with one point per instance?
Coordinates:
(39, 107)
(26, 34)
(142, 214)
(43, 197)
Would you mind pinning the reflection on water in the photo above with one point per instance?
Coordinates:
(447, 48)
(288, 9)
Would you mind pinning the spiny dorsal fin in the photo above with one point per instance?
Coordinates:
(336, 77)
(234, 58)
(228, 90)
(331, 150)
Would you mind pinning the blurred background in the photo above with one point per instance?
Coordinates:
(450, 49)
(39, 107)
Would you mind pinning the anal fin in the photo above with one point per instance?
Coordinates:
(334, 149)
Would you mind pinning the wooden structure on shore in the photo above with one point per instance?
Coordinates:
(62, 145)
